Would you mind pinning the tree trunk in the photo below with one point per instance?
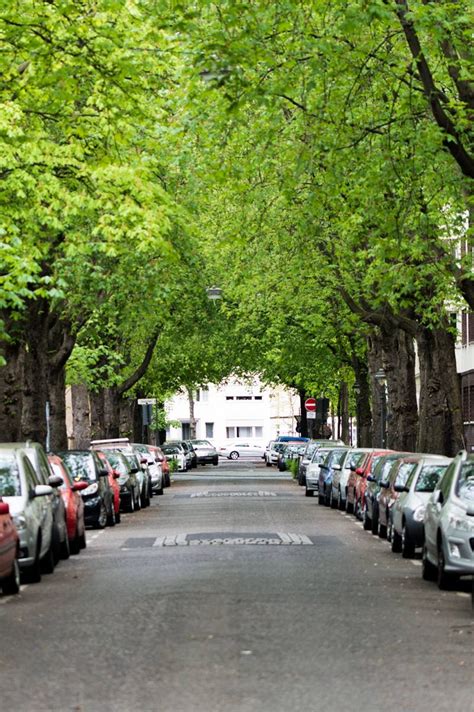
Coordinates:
(398, 356)
(35, 373)
(304, 430)
(344, 411)
(11, 377)
(374, 357)
(441, 427)
(81, 427)
(363, 410)
(192, 418)
(57, 410)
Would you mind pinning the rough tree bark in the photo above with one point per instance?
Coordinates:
(11, 391)
(192, 417)
(344, 412)
(374, 359)
(81, 428)
(363, 409)
(398, 358)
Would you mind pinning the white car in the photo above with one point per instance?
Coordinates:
(448, 550)
(31, 510)
(242, 449)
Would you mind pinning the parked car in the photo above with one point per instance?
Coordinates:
(369, 499)
(162, 459)
(113, 483)
(194, 457)
(9, 549)
(31, 509)
(358, 480)
(409, 509)
(305, 459)
(448, 550)
(389, 493)
(341, 477)
(86, 466)
(39, 460)
(333, 461)
(136, 461)
(154, 467)
(272, 452)
(238, 449)
(312, 470)
(73, 502)
(127, 480)
(206, 452)
(186, 450)
(176, 454)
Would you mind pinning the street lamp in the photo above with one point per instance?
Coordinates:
(214, 293)
(381, 378)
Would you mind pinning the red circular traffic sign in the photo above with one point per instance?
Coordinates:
(310, 404)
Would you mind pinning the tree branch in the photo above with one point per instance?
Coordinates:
(141, 370)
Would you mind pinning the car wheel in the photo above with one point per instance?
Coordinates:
(234, 455)
(309, 493)
(320, 498)
(268, 464)
(357, 509)
(383, 531)
(367, 521)
(396, 542)
(408, 549)
(137, 503)
(117, 517)
(47, 562)
(65, 550)
(56, 544)
(75, 544)
(375, 522)
(428, 570)
(444, 579)
(33, 573)
(349, 506)
(101, 521)
(111, 517)
(332, 501)
(340, 504)
(82, 541)
(11, 584)
(215, 462)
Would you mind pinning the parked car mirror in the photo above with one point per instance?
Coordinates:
(438, 497)
(4, 508)
(42, 490)
(134, 470)
(55, 480)
(115, 474)
(400, 488)
(336, 467)
(144, 461)
(359, 471)
(384, 485)
(371, 478)
(103, 472)
(81, 485)
(470, 509)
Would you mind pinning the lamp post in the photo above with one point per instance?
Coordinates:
(381, 379)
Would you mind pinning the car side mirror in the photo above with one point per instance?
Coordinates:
(134, 470)
(336, 467)
(438, 497)
(42, 491)
(470, 510)
(103, 472)
(144, 461)
(4, 508)
(359, 471)
(55, 480)
(78, 486)
(384, 485)
(115, 474)
(400, 488)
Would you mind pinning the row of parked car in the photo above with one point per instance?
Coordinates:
(417, 501)
(187, 454)
(48, 500)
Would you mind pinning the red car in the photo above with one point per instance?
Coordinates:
(114, 485)
(357, 482)
(73, 504)
(9, 569)
(165, 467)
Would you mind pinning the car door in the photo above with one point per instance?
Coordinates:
(435, 506)
(38, 511)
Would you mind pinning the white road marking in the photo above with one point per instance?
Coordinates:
(415, 562)
(463, 594)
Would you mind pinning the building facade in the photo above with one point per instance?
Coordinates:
(465, 367)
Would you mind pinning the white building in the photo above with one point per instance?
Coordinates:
(233, 410)
(465, 368)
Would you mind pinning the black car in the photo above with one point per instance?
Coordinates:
(127, 481)
(370, 511)
(98, 497)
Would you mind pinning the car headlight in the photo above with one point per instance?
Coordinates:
(92, 489)
(19, 521)
(462, 524)
(419, 513)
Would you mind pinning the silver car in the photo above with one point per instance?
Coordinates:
(341, 476)
(409, 508)
(312, 470)
(31, 509)
(448, 551)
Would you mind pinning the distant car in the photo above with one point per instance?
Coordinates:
(312, 470)
(234, 450)
(162, 459)
(341, 477)
(186, 450)
(113, 483)
(31, 509)
(194, 457)
(409, 509)
(368, 500)
(85, 466)
(136, 461)
(206, 452)
(127, 480)
(448, 550)
(291, 451)
(9, 550)
(154, 467)
(176, 454)
(272, 452)
(332, 463)
(70, 492)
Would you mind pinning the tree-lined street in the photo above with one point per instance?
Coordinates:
(145, 619)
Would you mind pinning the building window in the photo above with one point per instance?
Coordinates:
(185, 431)
(204, 395)
(244, 398)
(244, 431)
(209, 430)
(468, 397)
(467, 328)
(230, 433)
(258, 397)
(258, 431)
(229, 397)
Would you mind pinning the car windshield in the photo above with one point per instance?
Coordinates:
(429, 477)
(131, 459)
(465, 483)
(338, 457)
(404, 473)
(355, 459)
(118, 462)
(319, 456)
(10, 483)
(309, 451)
(169, 450)
(63, 473)
(202, 443)
(81, 465)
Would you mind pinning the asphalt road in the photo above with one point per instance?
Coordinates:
(235, 593)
